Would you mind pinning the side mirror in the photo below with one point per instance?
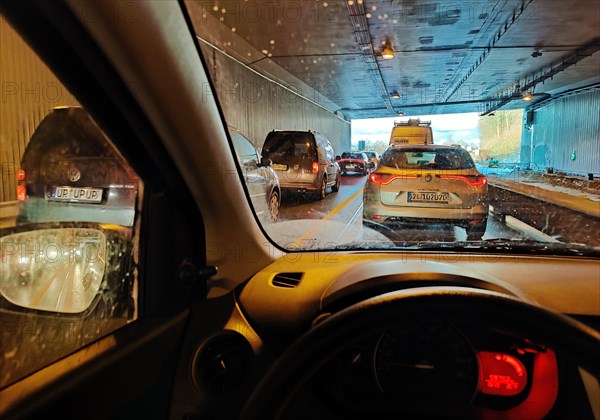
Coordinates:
(264, 161)
(64, 277)
(338, 157)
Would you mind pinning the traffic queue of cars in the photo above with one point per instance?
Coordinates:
(70, 180)
(412, 182)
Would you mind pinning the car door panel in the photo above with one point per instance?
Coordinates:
(131, 369)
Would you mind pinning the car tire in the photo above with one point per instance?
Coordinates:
(336, 186)
(273, 206)
(475, 232)
(322, 192)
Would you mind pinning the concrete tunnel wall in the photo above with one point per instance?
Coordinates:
(255, 105)
(567, 125)
(29, 92)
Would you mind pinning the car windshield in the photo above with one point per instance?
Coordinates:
(464, 116)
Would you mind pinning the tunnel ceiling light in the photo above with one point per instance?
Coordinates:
(395, 95)
(387, 53)
(527, 96)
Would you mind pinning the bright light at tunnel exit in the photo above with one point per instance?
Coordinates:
(379, 129)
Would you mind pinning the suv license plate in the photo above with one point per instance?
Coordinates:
(427, 197)
(76, 194)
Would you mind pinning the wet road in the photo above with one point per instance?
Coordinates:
(309, 223)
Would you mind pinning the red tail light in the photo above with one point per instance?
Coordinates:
(385, 179)
(21, 192)
(21, 189)
(473, 181)
(315, 167)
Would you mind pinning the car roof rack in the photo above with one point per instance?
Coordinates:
(412, 122)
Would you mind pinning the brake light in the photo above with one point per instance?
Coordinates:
(21, 192)
(385, 179)
(473, 181)
(315, 167)
(21, 189)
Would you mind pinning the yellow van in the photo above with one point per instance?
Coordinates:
(413, 131)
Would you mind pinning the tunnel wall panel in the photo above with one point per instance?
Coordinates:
(256, 105)
(570, 124)
(29, 92)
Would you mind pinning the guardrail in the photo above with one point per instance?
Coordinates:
(9, 210)
(554, 221)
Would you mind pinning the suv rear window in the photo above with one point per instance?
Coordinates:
(352, 155)
(442, 158)
(283, 147)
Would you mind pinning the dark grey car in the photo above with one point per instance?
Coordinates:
(261, 179)
(71, 172)
(304, 161)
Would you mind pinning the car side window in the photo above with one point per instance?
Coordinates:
(245, 151)
(69, 217)
(329, 153)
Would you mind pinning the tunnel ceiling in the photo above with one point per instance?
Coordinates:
(449, 56)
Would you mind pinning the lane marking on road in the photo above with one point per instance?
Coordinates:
(528, 230)
(311, 232)
(353, 220)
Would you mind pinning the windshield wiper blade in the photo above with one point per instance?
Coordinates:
(494, 245)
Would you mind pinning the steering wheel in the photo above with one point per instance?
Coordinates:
(426, 304)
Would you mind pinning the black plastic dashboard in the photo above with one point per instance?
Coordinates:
(466, 369)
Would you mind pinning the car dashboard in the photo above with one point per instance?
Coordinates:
(465, 369)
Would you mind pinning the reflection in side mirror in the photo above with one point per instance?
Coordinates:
(265, 161)
(58, 270)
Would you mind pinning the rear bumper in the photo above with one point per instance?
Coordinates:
(395, 214)
(357, 167)
(35, 210)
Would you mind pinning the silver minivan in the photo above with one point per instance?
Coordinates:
(303, 160)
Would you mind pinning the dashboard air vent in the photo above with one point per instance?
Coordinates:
(287, 280)
(221, 362)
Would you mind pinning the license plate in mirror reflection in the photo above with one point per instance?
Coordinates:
(76, 194)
